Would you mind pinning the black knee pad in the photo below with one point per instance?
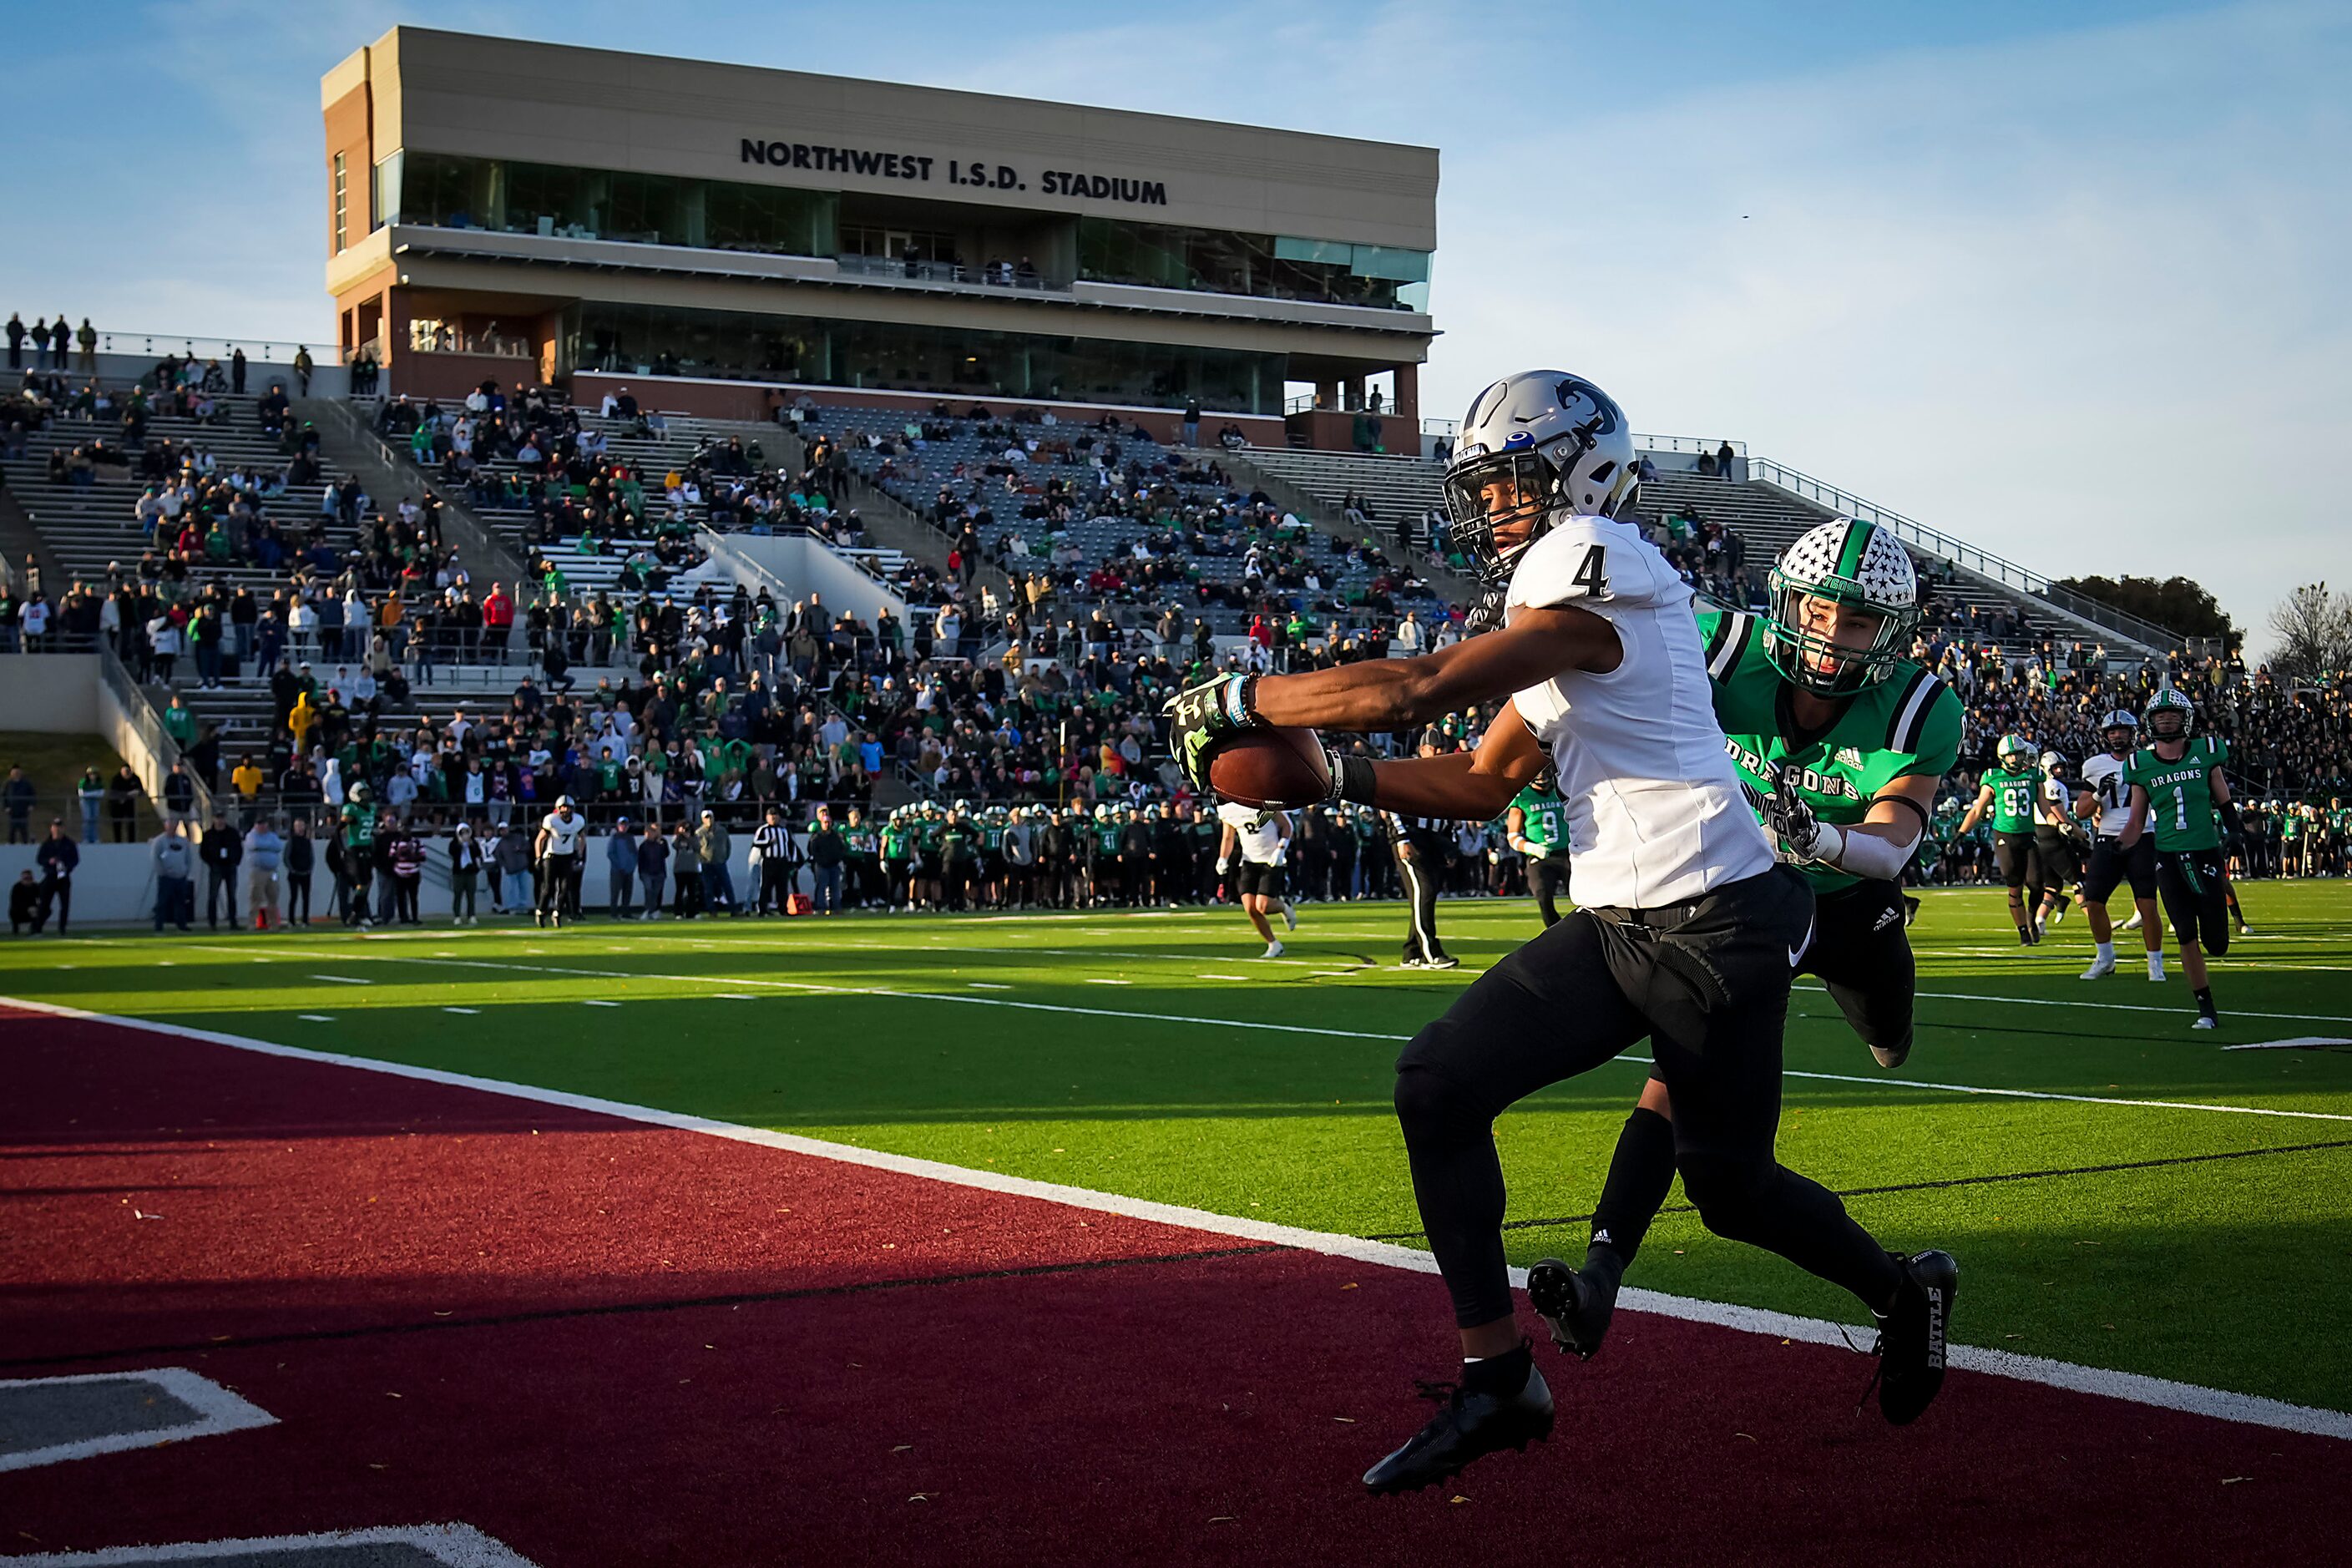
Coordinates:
(1729, 1193)
(1431, 1105)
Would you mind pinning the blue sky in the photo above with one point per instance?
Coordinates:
(2062, 281)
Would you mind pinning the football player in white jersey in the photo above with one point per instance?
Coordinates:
(1262, 837)
(1687, 931)
(2105, 801)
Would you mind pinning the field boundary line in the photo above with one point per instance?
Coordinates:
(713, 980)
(2136, 1388)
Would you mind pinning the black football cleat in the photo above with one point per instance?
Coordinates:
(1577, 1308)
(1893, 1056)
(1471, 1425)
(1910, 1347)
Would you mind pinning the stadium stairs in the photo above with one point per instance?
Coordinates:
(348, 439)
(890, 525)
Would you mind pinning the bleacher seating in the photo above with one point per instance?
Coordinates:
(1165, 518)
(93, 527)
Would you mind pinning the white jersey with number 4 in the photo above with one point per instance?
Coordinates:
(1655, 815)
(1256, 832)
(2103, 775)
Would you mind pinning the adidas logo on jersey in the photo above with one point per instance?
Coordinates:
(1886, 917)
(1849, 756)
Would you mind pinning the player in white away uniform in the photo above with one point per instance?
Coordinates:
(1264, 839)
(1687, 931)
(2105, 803)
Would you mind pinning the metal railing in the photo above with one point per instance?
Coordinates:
(947, 272)
(155, 345)
(154, 744)
(1983, 563)
(1687, 444)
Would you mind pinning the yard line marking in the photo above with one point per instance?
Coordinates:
(452, 1545)
(2300, 1043)
(2108, 1007)
(467, 1011)
(734, 996)
(217, 1410)
(2132, 1387)
(343, 979)
(986, 985)
(1223, 977)
(597, 1002)
(812, 986)
(316, 1017)
(1093, 980)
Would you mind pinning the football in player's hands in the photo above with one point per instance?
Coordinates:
(1271, 769)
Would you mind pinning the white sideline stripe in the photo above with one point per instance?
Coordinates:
(2132, 1387)
(343, 979)
(2109, 1007)
(316, 1017)
(2300, 1043)
(986, 985)
(455, 1545)
(469, 1012)
(1881, 1082)
(218, 1411)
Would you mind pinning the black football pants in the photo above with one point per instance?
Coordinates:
(1706, 981)
(1420, 871)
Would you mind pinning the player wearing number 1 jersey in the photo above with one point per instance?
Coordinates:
(1686, 930)
(2179, 792)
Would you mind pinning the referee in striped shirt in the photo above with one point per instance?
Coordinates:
(1420, 843)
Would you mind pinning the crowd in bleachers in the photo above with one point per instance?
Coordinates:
(1099, 512)
(1127, 569)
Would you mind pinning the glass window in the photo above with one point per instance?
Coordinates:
(340, 199)
(643, 340)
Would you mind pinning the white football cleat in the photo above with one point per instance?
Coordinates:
(2156, 967)
(1290, 916)
(2205, 1021)
(2131, 924)
(2100, 969)
(1273, 949)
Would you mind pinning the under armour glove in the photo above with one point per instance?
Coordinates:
(1200, 716)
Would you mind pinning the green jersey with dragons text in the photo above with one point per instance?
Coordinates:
(1545, 816)
(1907, 723)
(2179, 797)
(2013, 794)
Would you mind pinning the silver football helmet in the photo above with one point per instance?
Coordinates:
(1534, 444)
(2119, 730)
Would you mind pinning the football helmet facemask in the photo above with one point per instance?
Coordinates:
(1863, 571)
(1534, 444)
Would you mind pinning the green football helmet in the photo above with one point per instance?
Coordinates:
(2014, 751)
(2170, 715)
(1863, 570)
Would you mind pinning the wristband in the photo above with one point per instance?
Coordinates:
(1351, 778)
(1241, 701)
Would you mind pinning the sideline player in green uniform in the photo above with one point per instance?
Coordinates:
(1537, 825)
(2178, 791)
(1841, 741)
(2012, 792)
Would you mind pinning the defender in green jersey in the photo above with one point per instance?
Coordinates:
(2178, 791)
(1536, 825)
(2011, 792)
(1841, 742)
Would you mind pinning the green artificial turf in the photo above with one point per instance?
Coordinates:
(1003, 1044)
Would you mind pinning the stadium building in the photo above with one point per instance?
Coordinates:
(737, 236)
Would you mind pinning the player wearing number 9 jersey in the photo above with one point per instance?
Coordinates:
(2178, 791)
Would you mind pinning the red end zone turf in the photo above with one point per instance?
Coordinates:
(608, 1343)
